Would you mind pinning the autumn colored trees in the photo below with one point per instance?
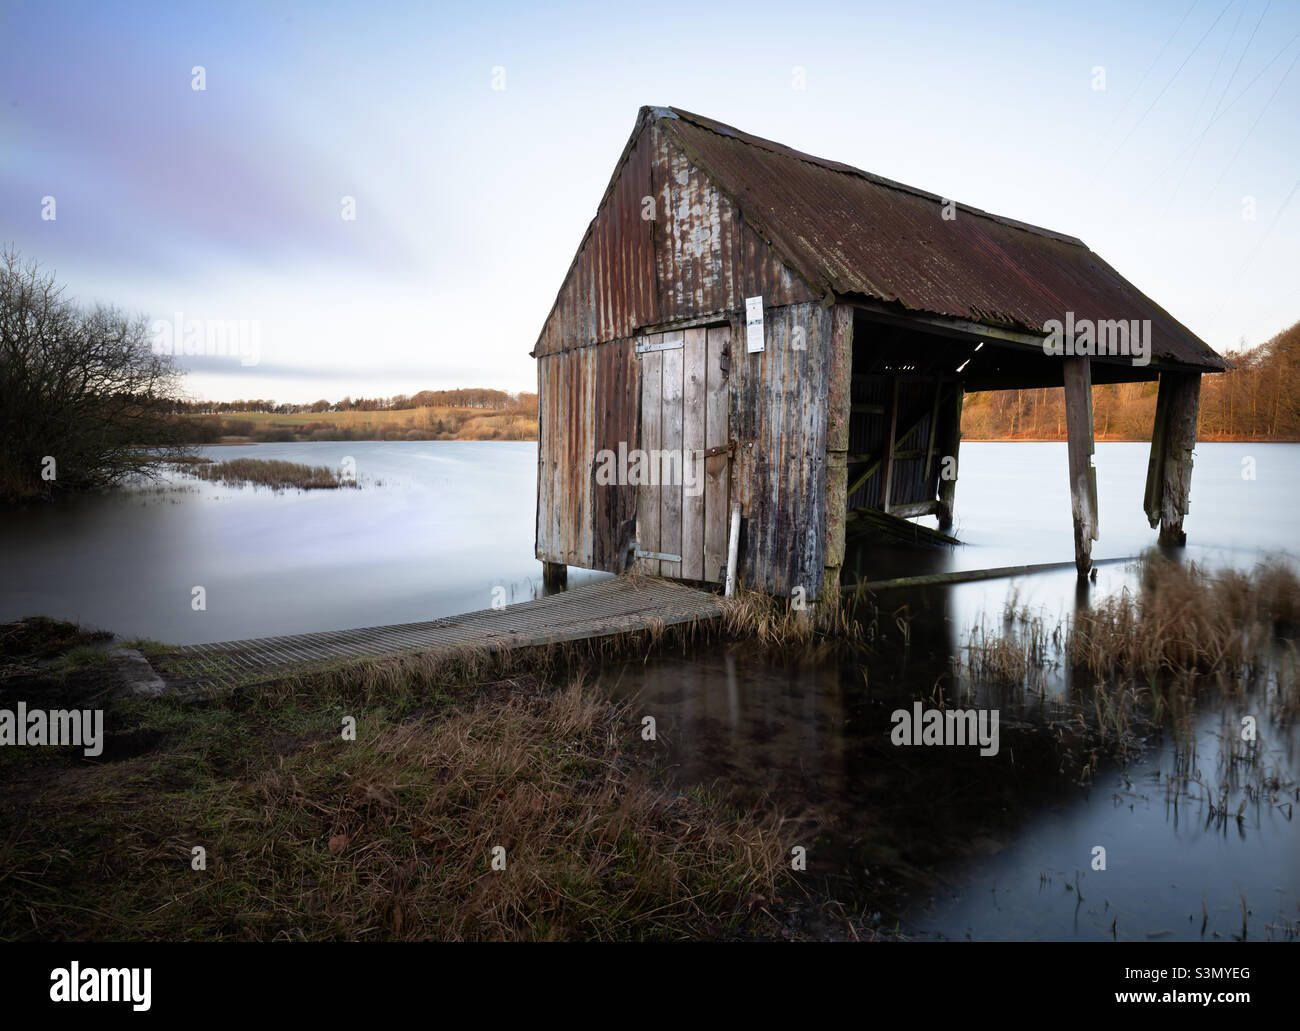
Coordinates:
(1258, 400)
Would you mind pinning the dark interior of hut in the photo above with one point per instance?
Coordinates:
(908, 383)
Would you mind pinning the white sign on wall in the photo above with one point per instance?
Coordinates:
(753, 324)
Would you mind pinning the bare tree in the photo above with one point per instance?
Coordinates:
(84, 401)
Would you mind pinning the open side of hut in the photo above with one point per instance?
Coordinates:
(746, 325)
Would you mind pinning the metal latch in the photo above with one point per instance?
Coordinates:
(729, 448)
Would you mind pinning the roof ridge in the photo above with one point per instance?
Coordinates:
(773, 147)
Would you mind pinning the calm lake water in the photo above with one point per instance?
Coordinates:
(446, 523)
(958, 846)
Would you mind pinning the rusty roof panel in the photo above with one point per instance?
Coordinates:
(851, 233)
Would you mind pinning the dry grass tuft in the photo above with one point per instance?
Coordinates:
(1184, 622)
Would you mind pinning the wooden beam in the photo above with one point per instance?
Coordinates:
(1083, 477)
(934, 427)
(555, 577)
(890, 443)
(916, 508)
(969, 575)
(839, 409)
(949, 445)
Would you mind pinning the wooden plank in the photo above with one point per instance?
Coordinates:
(891, 442)
(717, 469)
(543, 492)
(970, 575)
(647, 529)
(839, 409)
(670, 493)
(806, 515)
(916, 508)
(1083, 477)
(694, 387)
(934, 427)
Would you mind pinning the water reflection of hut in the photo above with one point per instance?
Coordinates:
(749, 328)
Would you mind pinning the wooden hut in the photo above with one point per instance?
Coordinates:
(800, 333)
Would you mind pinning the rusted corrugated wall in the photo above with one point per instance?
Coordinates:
(664, 246)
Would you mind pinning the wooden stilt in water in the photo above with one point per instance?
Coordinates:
(1083, 477)
(555, 577)
(949, 444)
(1169, 471)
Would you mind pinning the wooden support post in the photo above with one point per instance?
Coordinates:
(1083, 477)
(838, 409)
(891, 430)
(555, 577)
(1169, 471)
(949, 445)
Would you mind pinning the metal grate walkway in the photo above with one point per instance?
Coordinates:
(599, 609)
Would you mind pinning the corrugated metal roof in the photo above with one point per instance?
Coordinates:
(853, 234)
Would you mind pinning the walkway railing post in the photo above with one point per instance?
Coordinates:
(733, 547)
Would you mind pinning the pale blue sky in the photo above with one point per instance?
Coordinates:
(225, 204)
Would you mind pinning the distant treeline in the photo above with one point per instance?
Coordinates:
(465, 397)
(387, 424)
(1258, 400)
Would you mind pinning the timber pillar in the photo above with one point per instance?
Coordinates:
(838, 410)
(1083, 477)
(949, 444)
(555, 577)
(1169, 471)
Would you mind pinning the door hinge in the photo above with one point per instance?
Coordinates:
(661, 556)
(663, 345)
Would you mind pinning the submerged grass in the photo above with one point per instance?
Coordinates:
(273, 473)
(1143, 661)
(1184, 621)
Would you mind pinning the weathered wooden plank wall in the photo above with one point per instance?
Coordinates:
(695, 404)
(693, 256)
(778, 417)
(717, 468)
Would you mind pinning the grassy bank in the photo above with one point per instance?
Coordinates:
(308, 834)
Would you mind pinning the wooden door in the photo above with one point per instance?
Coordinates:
(684, 486)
